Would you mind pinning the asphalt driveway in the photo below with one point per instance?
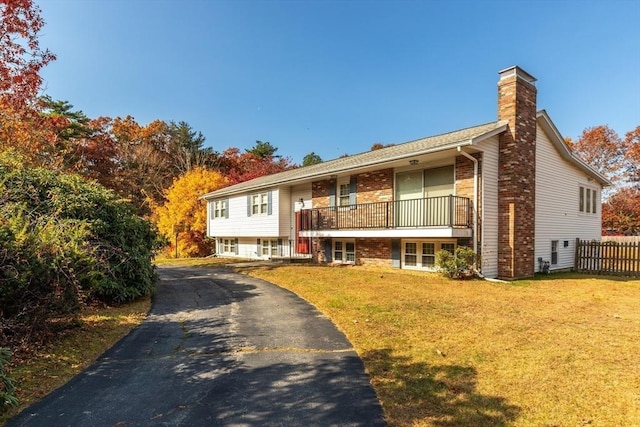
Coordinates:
(219, 348)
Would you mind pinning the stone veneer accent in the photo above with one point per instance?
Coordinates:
(516, 175)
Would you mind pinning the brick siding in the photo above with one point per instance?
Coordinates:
(373, 252)
(376, 186)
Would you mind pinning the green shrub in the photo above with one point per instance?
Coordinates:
(7, 384)
(64, 240)
(459, 265)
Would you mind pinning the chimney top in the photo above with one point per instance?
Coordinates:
(518, 73)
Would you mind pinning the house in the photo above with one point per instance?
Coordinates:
(510, 189)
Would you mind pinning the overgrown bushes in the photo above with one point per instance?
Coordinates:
(65, 241)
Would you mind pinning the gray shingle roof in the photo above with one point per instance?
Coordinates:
(369, 158)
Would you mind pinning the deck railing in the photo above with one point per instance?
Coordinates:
(446, 211)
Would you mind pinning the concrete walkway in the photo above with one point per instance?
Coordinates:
(219, 348)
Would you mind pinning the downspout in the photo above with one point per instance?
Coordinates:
(475, 196)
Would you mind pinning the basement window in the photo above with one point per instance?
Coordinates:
(421, 255)
(344, 251)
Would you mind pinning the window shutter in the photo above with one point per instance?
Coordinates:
(395, 253)
(332, 193)
(327, 250)
(226, 210)
(353, 188)
(248, 204)
(269, 202)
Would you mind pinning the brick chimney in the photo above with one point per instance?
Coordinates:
(516, 174)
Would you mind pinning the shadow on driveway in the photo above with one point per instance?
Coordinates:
(218, 348)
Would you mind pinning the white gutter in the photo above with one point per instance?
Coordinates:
(475, 196)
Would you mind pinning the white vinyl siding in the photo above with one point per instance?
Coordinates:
(489, 205)
(301, 192)
(558, 216)
(240, 224)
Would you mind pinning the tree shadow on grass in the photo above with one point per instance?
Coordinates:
(442, 395)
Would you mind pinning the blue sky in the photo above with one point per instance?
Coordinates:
(335, 77)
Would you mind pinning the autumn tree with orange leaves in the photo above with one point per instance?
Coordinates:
(617, 159)
(631, 146)
(21, 60)
(601, 148)
(239, 167)
(22, 57)
(183, 207)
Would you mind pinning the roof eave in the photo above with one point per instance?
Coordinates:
(490, 134)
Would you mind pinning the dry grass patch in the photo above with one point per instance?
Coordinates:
(559, 351)
(75, 349)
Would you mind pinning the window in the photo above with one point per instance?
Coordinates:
(337, 251)
(228, 246)
(344, 194)
(219, 209)
(350, 252)
(410, 254)
(259, 203)
(554, 252)
(428, 254)
(269, 247)
(344, 251)
(418, 254)
(588, 200)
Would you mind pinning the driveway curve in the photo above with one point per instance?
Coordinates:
(219, 348)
